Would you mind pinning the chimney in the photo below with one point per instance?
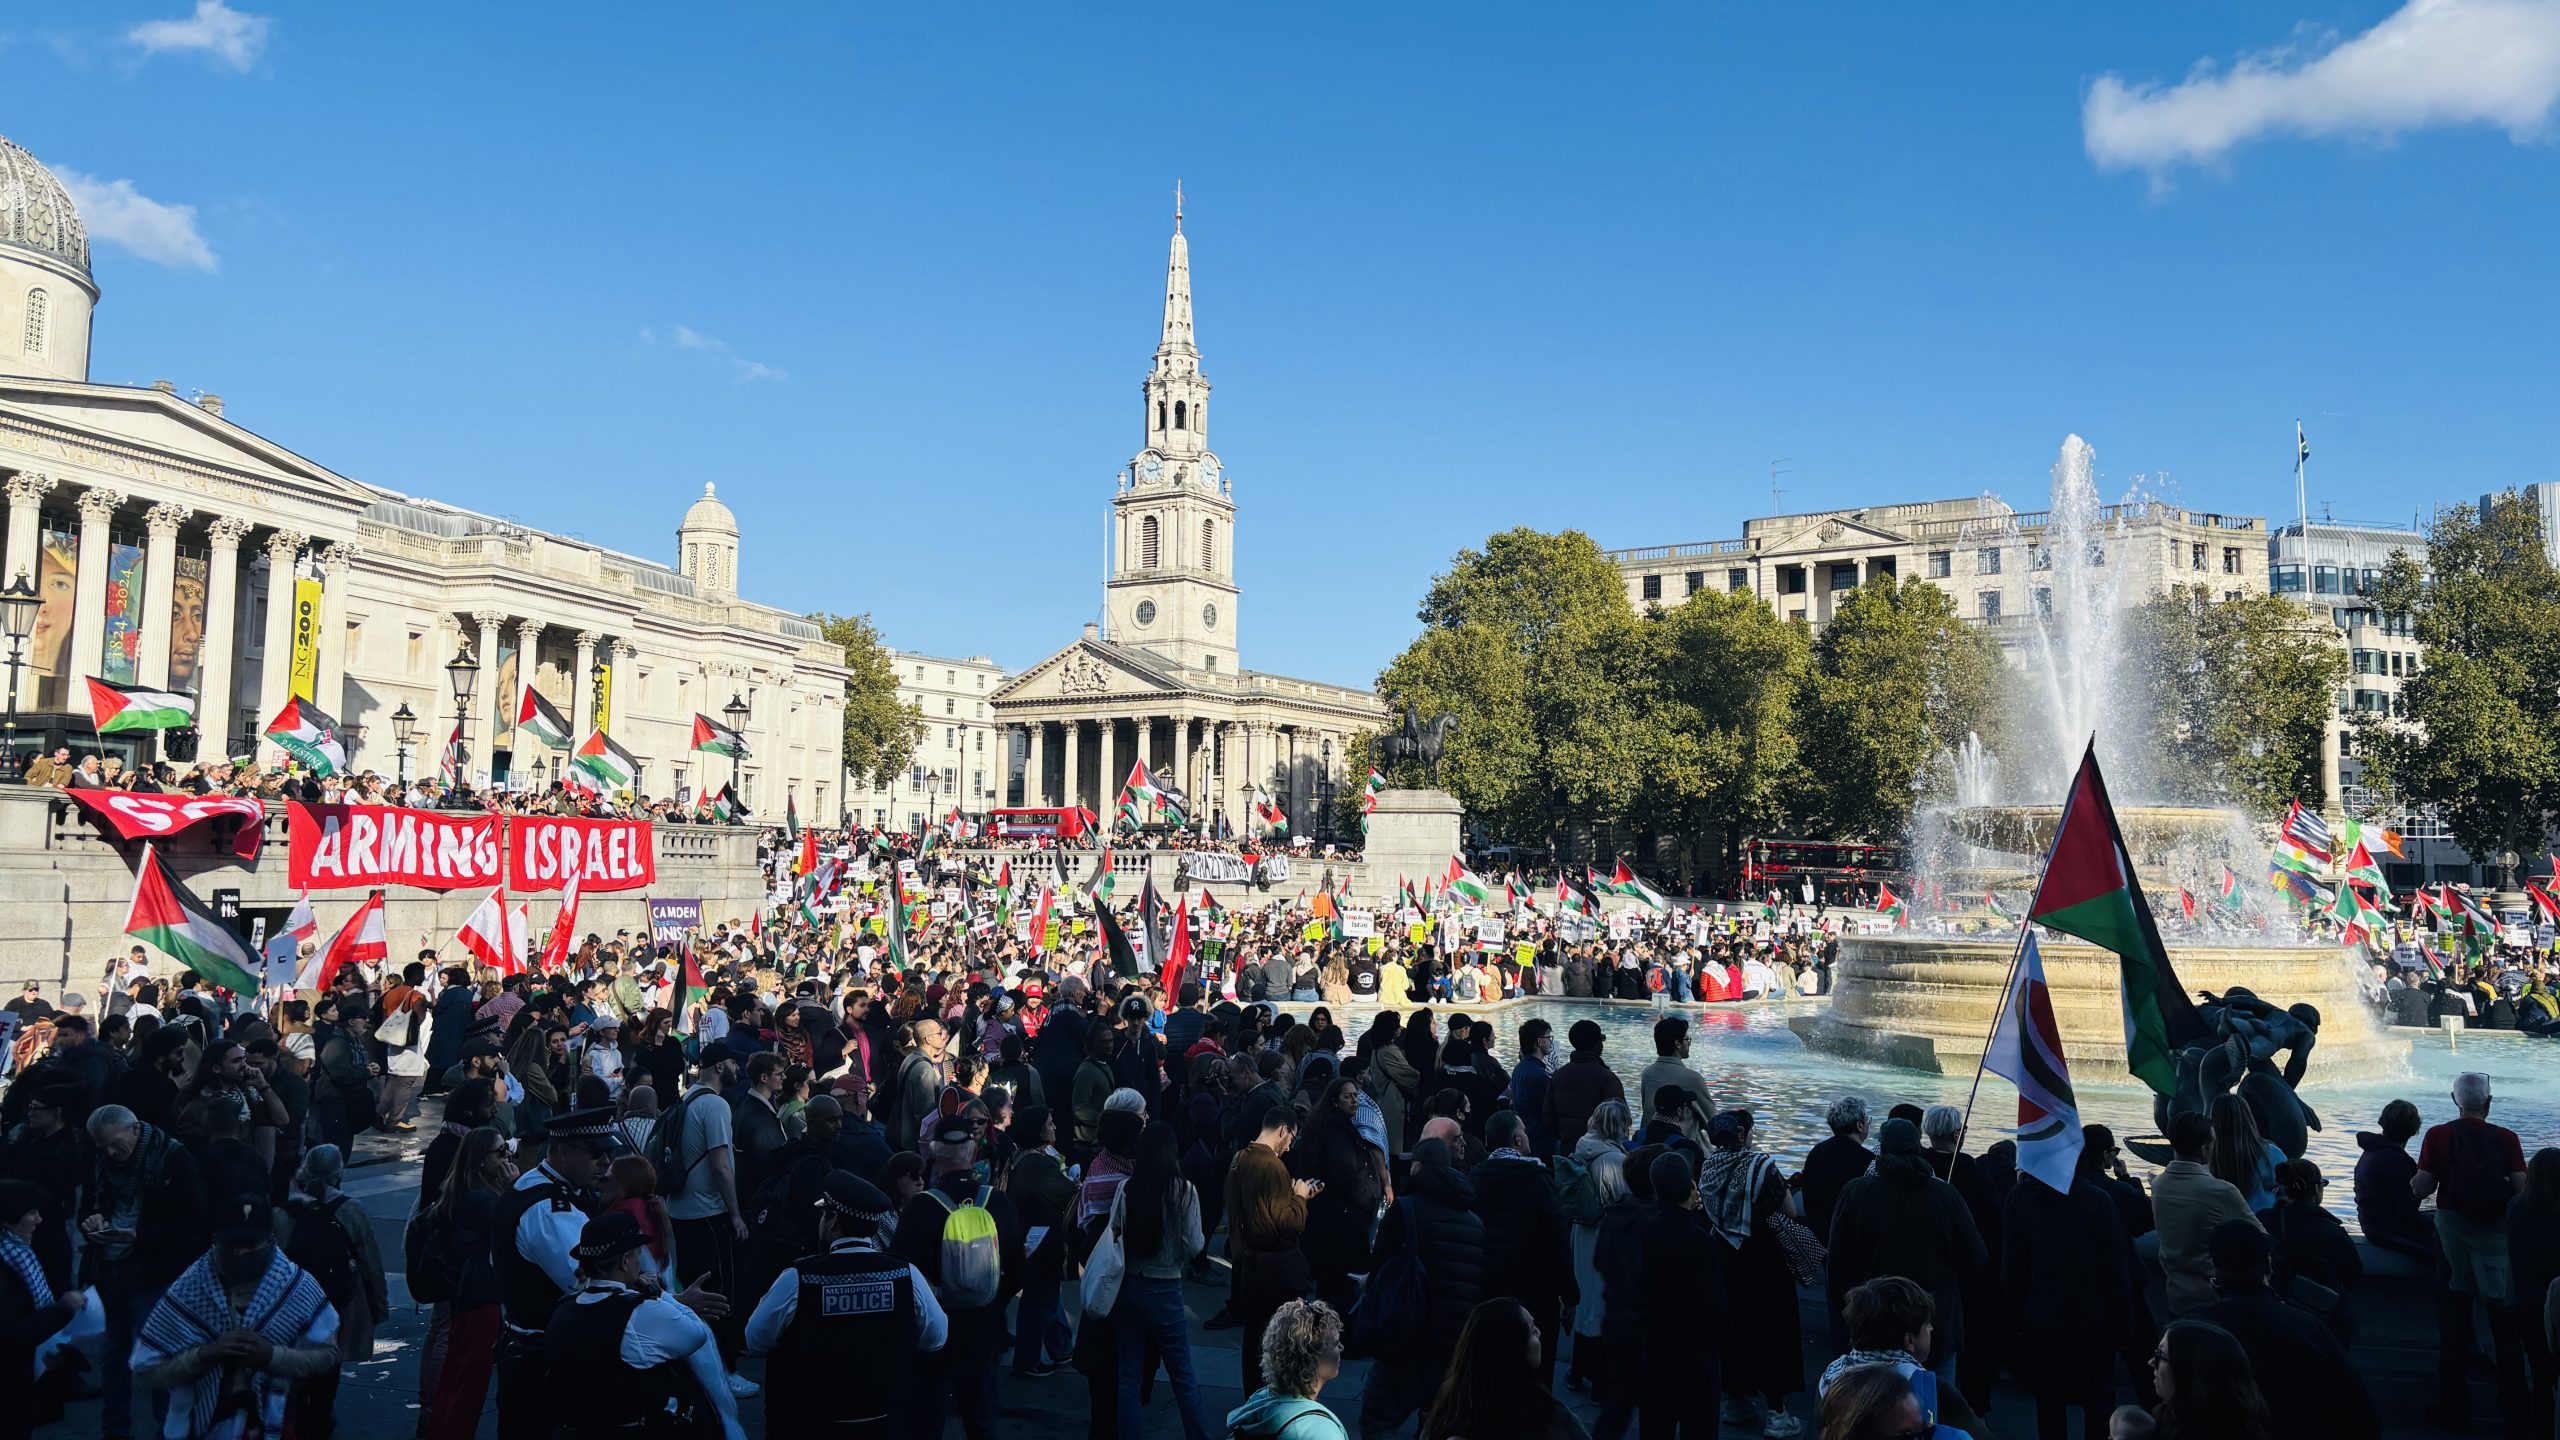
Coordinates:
(212, 404)
(164, 387)
(1092, 631)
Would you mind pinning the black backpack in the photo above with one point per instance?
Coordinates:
(2476, 1183)
(319, 1244)
(428, 1250)
(666, 1147)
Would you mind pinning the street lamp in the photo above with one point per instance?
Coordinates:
(736, 714)
(463, 671)
(404, 733)
(18, 606)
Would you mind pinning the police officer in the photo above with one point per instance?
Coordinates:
(645, 1366)
(843, 1325)
(532, 1245)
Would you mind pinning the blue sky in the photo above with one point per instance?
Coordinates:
(1457, 267)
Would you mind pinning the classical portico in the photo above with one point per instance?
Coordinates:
(1164, 684)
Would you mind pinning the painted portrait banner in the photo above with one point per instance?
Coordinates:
(605, 855)
(120, 656)
(58, 592)
(348, 847)
(187, 592)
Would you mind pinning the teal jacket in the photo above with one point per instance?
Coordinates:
(1267, 1416)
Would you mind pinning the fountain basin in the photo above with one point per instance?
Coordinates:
(1925, 1002)
(2150, 831)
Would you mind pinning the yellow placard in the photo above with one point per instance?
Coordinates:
(1419, 932)
(306, 640)
(1525, 953)
(1377, 945)
(1315, 931)
(1049, 936)
(1079, 925)
(879, 924)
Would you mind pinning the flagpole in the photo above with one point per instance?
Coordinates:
(2009, 978)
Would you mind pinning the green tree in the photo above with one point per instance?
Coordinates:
(880, 732)
(2239, 693)
(2481, 737)
(1898, 679)
(1720, 756)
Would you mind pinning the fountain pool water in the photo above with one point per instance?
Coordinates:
(1752, 1060)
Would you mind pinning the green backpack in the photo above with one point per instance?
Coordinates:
(1577, 1194)
(972, 1260)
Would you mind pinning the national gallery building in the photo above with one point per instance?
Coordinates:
(171, 548)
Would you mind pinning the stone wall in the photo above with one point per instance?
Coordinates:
(65, 884)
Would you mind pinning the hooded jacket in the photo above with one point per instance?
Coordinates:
(1904, 1220)
(1449, 1238)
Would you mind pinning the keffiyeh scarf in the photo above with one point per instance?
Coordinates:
(21, 1259)
(197, 1308)
(1729, 1182)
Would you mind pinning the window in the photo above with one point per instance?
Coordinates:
(982, 680)
(1159, 414)
(38, 304)
(1844, 577)
(2395, 662)
(916, 777)
(919, 674)
(2285, 579)
(2044, 601)
(2366, 662)
(951, 778)
(950, 738)
(982, 742)
(950, 706)
(1989, 600)
(1942, 563)
(1652, 587)
(1697, 581)
(2195, 556)
(1734, 580)
(1209, 546)
(2324, 580)
(1986, 561)
(2230, 559)
(2039, 557)
(2372, 583)
(1791, 580)
(2231, 595)
(2344, 708)
(915, 822)
(977, 782)
(1210, 663)
(1178, 416)
(1147, 542)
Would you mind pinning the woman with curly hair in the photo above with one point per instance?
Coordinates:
(1301, 1350)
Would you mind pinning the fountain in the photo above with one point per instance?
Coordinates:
(1924, 999)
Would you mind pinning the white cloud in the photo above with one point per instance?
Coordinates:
(2433, 63)
(126, 218)
(215, 29)
(742, 368)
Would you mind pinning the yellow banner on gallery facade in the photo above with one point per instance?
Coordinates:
(306, 640)
(602, 698)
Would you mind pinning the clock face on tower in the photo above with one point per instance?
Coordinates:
(1150, 470)
(1146, 612)
(1209, 617)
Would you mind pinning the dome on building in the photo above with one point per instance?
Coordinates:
(709, 514)
(36, 213)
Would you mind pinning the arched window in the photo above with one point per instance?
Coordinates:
(1177, 415)
(1147, 543)
(38, 303)
(1209, 546)
(1159, 414)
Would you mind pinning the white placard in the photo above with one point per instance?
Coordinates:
(1620, 924)
(1489, 932)
(1359, 924)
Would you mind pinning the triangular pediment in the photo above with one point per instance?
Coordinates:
(1088, 670)
(1833, 532)
(113, 426)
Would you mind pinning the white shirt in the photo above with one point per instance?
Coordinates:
(605, 1063)
(547, 1233)
(663, 1332)
(774, 1312)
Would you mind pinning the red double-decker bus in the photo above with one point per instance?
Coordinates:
(1073, 822)
(1772, 863)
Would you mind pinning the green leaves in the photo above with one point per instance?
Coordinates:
(2241, 692)
(880, 734)
(1899, 679)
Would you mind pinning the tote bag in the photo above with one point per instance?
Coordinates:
(1104, 1267)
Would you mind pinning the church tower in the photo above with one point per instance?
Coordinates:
(1172, 589)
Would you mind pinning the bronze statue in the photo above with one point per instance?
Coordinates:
(1419, 740)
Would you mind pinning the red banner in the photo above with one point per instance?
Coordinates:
(346, 847)
(606, 855)
(159, 817)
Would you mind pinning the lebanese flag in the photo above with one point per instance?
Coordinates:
(363, 940)
(555, 951)
(1180, 957)
(494, 935)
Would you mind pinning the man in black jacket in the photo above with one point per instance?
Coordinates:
(144, 1223)
(1528, 1248)
(1435, 1218)
(2301, 1368)
(1684, 1308)
(1828, 1168)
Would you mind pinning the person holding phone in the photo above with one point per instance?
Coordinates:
(1266, 1219)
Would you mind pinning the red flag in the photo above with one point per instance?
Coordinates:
(1040, 923)
(555, 951)
(2543, 901)
(808, 852)
(2187, 902)
(490, 934)
(1180, 958)
(362, 940)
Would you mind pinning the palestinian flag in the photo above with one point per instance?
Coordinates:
(1568, 899)
(2026, 1051)
(2229, 898)
(309, 736)
(1100, 889)
(2090, 890)
(689, 987)
(138, 707)
(1463, 885)
(2426, 904)
(1626, 883)
(562, 940)
(2544, 902)
(719, 739)
(1151, 915)
(724, 805)
(451, 766)
(1178, 954)
(1275, 819)
(2186, 902)
(542, 720)
(2358, 921)
(1140, 797)
(1124, 959)
(791, 818)
(168, 919)
(613, 767)
(901, 957)
(2361, 870)
(1369, 797)
(1893, 906)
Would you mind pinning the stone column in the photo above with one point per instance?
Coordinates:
(26, 493)
(275, 673)
(1073, 794)
(1293, 785)
(582, 687)
(1035, 784)
(215, 667)
(89, 605)
(159, 581)
(485, 700)
(329, 678)
(621, 653)
(1108, 772)
(1181, 758)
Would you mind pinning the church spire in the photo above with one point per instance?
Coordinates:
(1177, 296)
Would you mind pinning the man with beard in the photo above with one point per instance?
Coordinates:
(236, 1329)
(144, 1225)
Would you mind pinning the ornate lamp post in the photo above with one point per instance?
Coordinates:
(404, 734)
(735, 712)
(463, 671)
(18, 606)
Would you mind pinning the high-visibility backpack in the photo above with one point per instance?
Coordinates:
(972, 1262)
